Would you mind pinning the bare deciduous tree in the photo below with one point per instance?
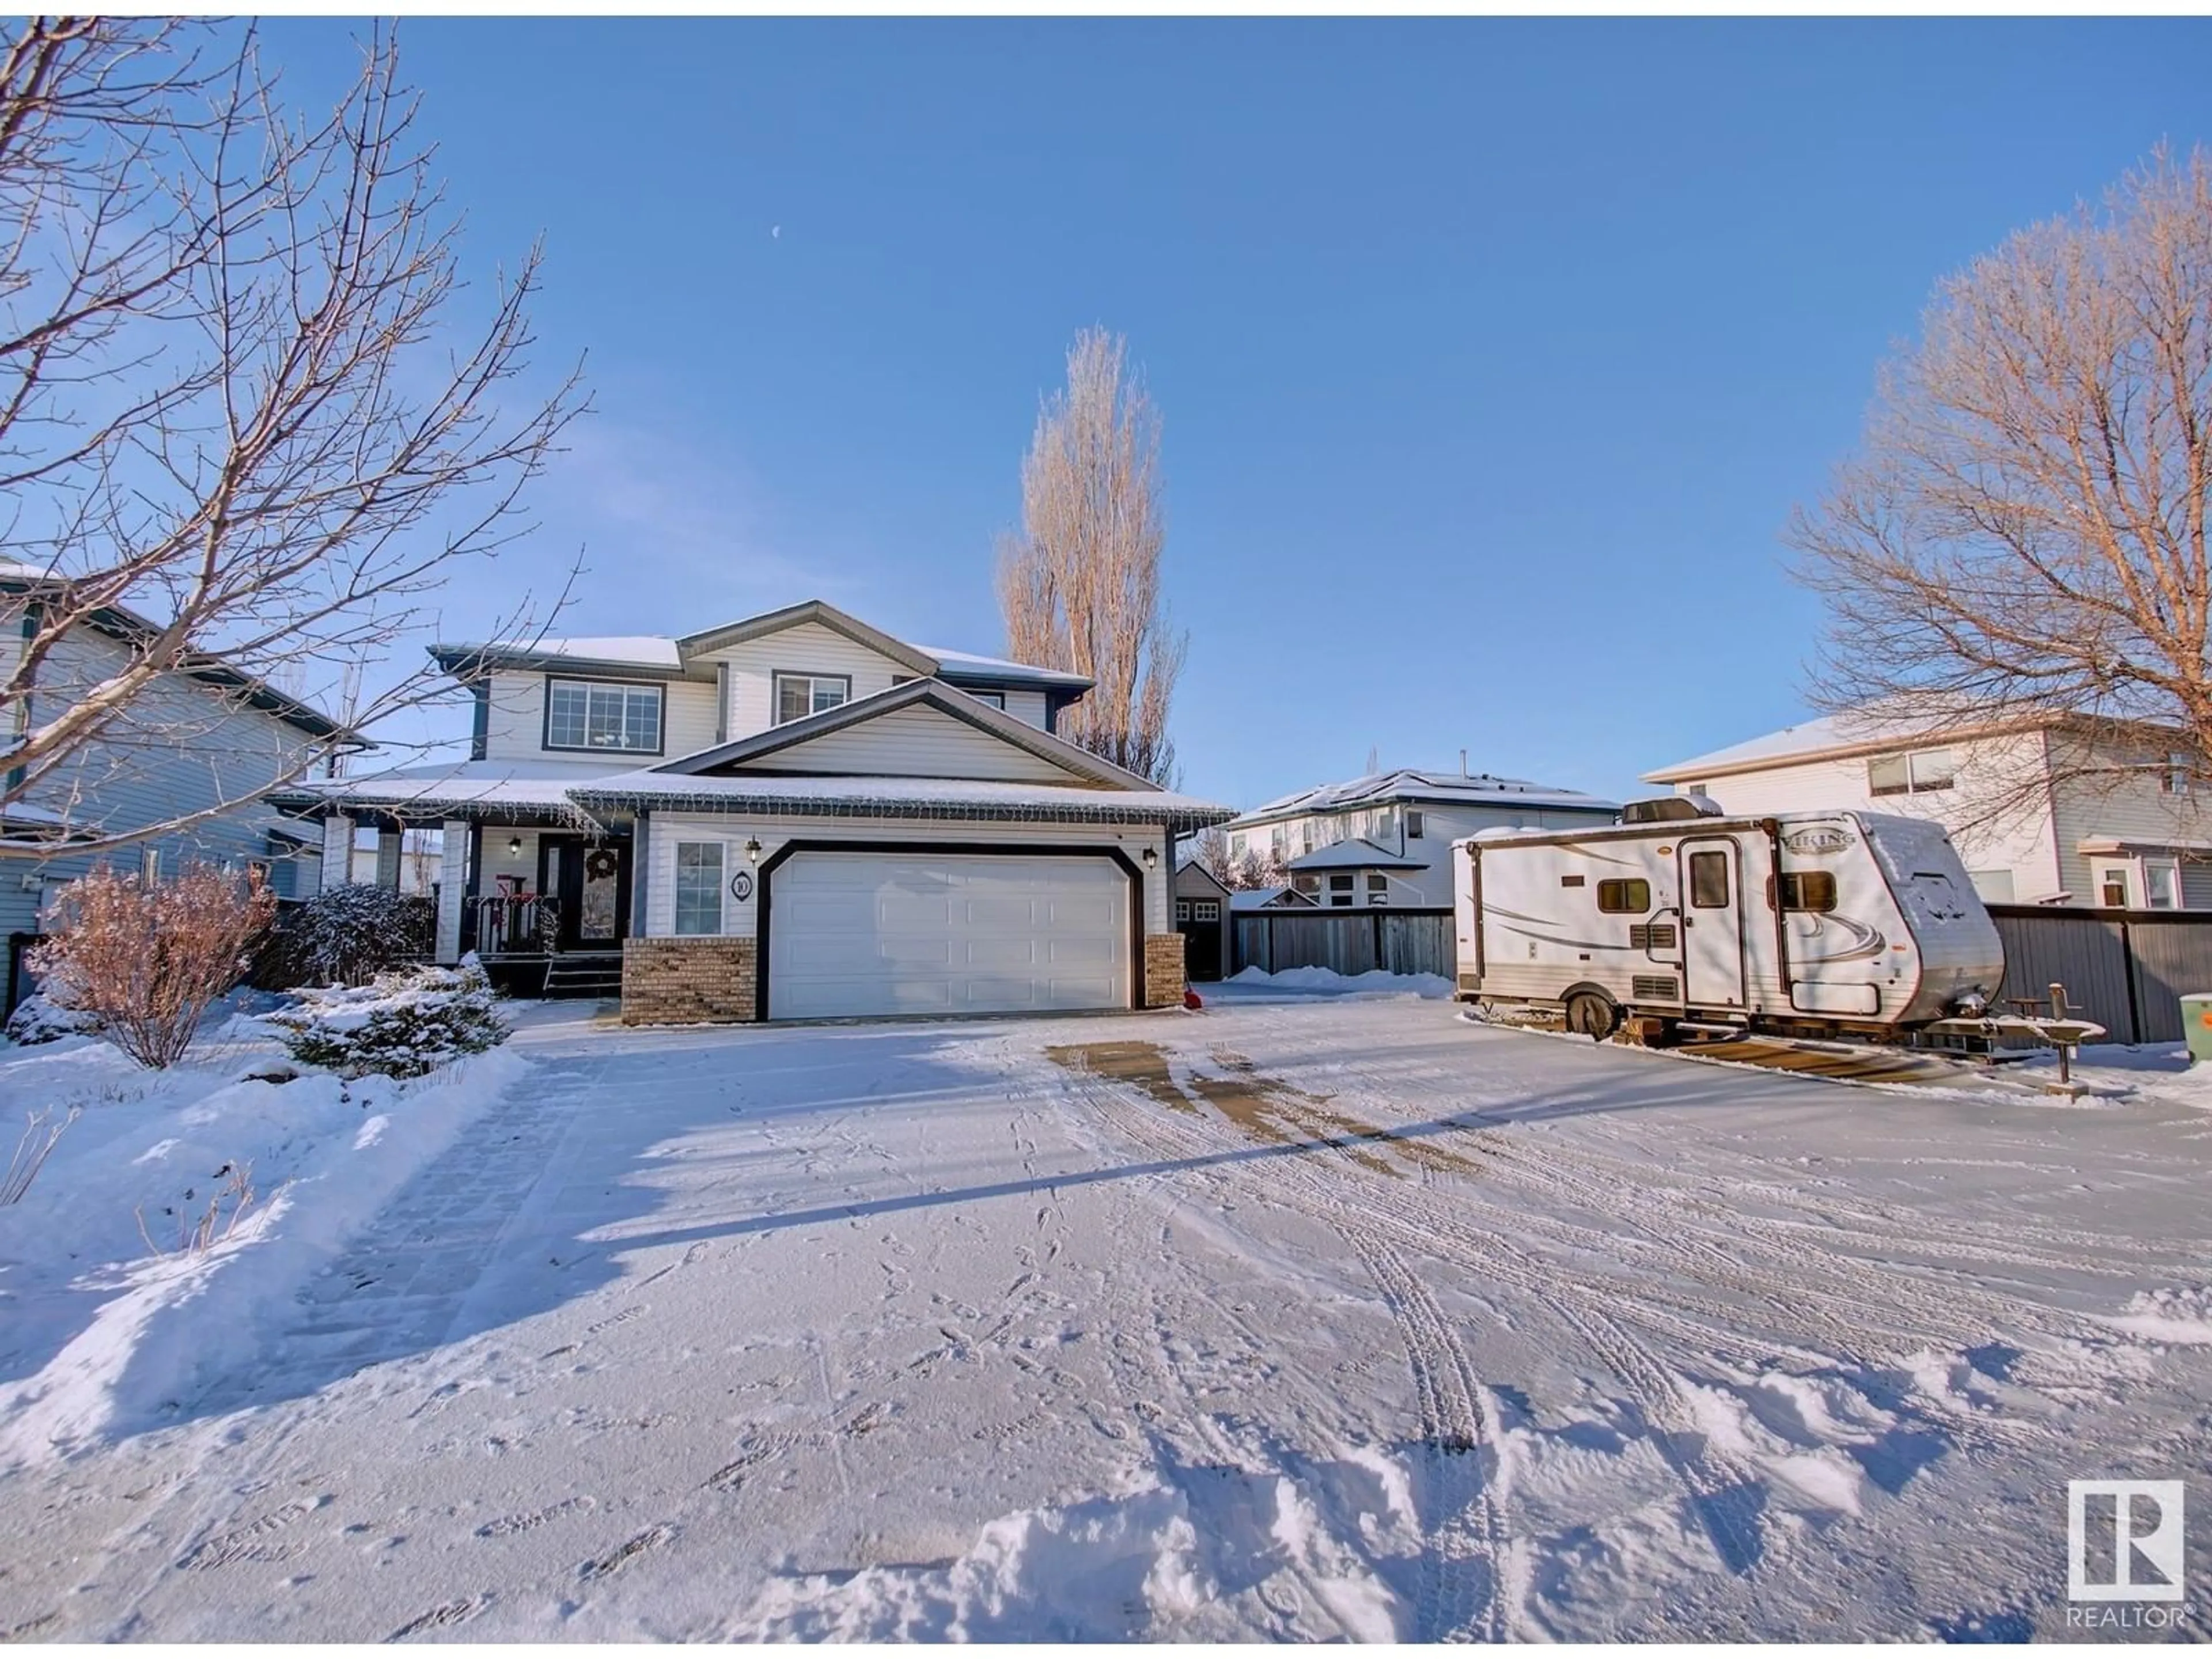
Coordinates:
(1081, 585)
(150, 958)
(246, 409)
(2023, 534)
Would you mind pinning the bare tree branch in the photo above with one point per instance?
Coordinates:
(2023, 534)
(235, 420)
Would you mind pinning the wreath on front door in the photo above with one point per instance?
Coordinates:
(599, 864)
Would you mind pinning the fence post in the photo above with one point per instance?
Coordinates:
(2128, 970)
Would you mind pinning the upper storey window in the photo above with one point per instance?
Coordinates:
(797, 695)
(595, 715)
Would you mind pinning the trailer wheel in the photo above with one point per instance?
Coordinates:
(1593, 1014)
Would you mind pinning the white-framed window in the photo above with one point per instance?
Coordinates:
(149, 866)
(601, 715)
(1340, 888)
(2162, 883)
(2175, 777)
(1386, 823)
(996, 699)
(698, 887)
(2112, 886)
(1236, 844)
(797, 695)
(1415, 823)
(1378, 883)
(1182, 909)
(1995, 886)
(1205, 909)
(1919, 773)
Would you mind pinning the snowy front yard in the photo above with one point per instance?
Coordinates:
(1296, 1318)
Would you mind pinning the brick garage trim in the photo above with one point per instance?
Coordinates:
(1163, 970)
(688, 981)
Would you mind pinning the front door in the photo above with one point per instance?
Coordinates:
(1712, 923)
(590, 880)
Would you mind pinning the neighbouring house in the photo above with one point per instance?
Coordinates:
(793, 815)
(205, 737)
(2044, 809)
(1385, 839)
(1201, 916)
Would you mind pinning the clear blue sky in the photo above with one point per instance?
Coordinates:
(1493, 356)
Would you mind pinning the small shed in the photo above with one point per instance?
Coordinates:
(1201, 916)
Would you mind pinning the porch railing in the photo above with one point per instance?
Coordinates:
(495, 925)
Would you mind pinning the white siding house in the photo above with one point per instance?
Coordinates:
(793, 815)
(2054, 811)
(1410, 818)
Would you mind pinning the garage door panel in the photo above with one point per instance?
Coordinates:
(893, 933)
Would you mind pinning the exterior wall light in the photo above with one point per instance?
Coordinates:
(752, 852)
(1151, 856)
(514, 846)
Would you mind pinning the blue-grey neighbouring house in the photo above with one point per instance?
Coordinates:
(199, 737)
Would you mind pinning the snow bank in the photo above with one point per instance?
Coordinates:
(1327, 981)
(102, 1335)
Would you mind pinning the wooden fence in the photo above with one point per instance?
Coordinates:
(1348, 941)
(2126, 969)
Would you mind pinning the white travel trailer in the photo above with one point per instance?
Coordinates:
(1802, 923)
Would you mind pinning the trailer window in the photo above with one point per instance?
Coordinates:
(1809, 889)
(1624, 898)
(1709, 881)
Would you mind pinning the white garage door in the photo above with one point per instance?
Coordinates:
(924, 933)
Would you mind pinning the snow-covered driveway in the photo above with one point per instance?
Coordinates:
(1282, 1320)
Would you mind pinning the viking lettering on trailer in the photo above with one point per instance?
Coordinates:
(2146, 1553)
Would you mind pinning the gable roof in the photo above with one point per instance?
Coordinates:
(653, 656)
(1875, 728)
(1193, 867)
(1421, 787)
(741, 754)
(1356, 854)
(121, 623)
(819, 612)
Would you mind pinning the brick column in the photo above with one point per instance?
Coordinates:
(1163, 970)
(687, 981)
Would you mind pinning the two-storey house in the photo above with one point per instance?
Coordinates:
(794, 815)
(2044, 809)
(195, 749)
(1385, 839)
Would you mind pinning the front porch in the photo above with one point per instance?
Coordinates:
(541, 898)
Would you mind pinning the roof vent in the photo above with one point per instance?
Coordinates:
(1671, 809)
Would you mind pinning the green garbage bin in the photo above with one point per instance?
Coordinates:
(2197, 1024)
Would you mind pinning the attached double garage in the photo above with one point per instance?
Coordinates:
(860, 932)
(1053, 918)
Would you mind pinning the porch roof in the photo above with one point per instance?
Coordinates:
(481, 789)
(851, 796)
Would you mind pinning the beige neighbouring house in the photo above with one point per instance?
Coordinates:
(793, 815)
(2049, 808)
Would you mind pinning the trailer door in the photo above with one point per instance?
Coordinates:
(1712, 923)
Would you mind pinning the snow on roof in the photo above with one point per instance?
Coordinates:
(1259, 898)
(543, 784)
(1356, 854)
(653, 651)
(1852, 728)
(967, 663)
(906, 796)
(1415, 784)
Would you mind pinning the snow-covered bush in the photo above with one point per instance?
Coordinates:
(39, 1018)
(347, 935)
(403, 1025)
(150, 958)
